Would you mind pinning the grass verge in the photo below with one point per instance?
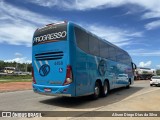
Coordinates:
(15, 78)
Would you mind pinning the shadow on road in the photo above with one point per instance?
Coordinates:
(86, 102)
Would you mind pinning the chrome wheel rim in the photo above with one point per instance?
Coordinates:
(105, 88)
(96, 90)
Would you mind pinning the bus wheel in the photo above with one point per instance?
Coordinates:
(105, 89)
(128, 86)
(96, 90)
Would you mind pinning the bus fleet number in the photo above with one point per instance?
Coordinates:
(58, 63)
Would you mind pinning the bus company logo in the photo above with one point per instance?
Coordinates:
(44, 70)
(49, 37)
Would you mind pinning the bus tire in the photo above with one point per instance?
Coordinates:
(96, 91)
(128, 86)
(105, 89)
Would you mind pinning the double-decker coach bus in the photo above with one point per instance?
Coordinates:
(67, 60)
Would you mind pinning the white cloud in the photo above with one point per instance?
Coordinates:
(158, 66)
(145, 64)
(20, 14)
(151, 8)
(18, 54)
(79, 4)
(46, 3)
(18, 24)
(152, 14)
(19, 60)
(152, 5)
(153, 25)
(143, 52)
(120, 37)
(17, 34)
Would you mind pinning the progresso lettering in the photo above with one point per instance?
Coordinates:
(51, 36)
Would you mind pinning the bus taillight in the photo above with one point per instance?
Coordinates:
(69, 77)
(33, 79)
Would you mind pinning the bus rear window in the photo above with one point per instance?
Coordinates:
(51, 33)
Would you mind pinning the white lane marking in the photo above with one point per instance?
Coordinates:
(138, 94)
(36, 65)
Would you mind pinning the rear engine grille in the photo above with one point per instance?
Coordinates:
(49, 56)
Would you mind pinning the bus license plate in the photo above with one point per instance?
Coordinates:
(47, 89)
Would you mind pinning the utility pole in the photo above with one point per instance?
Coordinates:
(26, 67)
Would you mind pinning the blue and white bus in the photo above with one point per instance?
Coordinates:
(70, 61)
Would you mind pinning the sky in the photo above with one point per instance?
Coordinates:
(133, 25)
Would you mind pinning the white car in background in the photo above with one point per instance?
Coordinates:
(155, 80)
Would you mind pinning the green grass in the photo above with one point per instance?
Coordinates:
(15, 78)
(23, 80)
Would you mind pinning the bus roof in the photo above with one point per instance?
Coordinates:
(74, 24)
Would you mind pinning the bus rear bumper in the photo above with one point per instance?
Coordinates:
(53, 90)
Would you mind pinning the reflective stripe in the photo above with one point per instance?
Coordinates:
(36, 65)
(40, 62)
(46, 62)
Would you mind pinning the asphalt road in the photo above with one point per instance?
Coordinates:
(140, 97)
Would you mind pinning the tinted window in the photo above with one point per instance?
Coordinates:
(123, 57)
(50, 33)
(126, 59)
(119, 55)
(112, 53)
(156, 77)
(104, 49)
(93, 45)
(82, 39)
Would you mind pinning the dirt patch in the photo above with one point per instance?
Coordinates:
(15, 86)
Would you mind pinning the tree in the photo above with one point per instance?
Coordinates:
(25, 67)
(29, 67)
(1, 64)
(158, 72)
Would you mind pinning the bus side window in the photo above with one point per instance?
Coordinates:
(94, 45)
(104, 50)
(112, 53)
(82, 39)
